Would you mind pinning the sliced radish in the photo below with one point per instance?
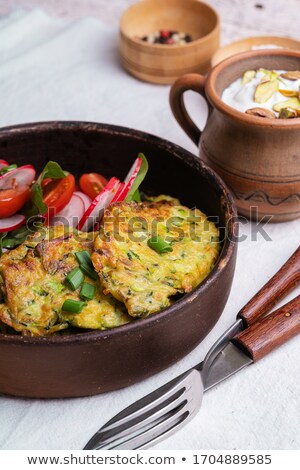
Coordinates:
(71, 214)
(87, 201)
(3, 164)
(118, 195)
(22, 176)
(133, 172)
(11, 223)
(95, 212)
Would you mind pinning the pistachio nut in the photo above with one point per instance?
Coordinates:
(287, 113)
(248, 76)
(269, 76)
(292, 103)
(264, 91)
(292, 75)
(261, 112)
(288, 93)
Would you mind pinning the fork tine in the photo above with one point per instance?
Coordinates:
(115, 439)
(155, 433)
(167, 430)
(148, 403)
(150, 418)
(170, 429)
(151, 412)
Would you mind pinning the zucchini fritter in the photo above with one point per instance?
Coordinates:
(34, 291)
(139, 276)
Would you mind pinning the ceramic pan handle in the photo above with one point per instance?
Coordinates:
(194, 82)
(275, 289)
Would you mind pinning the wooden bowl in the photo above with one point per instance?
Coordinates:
(93, 362)
(158, 63)
(249, 44)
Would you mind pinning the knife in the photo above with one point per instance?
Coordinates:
(253, 343)
(283, 282)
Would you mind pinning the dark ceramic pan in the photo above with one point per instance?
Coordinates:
(95, 362)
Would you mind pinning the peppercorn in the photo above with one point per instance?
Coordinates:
(167, 37)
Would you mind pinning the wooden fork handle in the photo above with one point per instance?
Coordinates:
(276, 288)
(272, 331)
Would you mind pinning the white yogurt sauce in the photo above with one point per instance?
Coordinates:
(241, 97)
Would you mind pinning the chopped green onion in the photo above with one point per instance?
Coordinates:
(75, 278)
(87, 291)
(159, 245)
(88, 271)
(86, 265)
(73, 306)
(83, 257)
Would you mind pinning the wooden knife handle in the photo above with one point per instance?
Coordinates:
(272, 331)
(276, 288)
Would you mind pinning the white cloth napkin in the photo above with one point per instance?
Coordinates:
(51, 70)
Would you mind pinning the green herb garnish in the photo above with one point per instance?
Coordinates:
(132, 194)
(136, 196)
(11, 242)
(84, 257)
(159, 245)
(88, 271)
(75, 278)
(36, 205)
(73, 306)
(86, 265)
(87, 291)
(18, 236)
(6, 169)
(2, 236)
(52, 170)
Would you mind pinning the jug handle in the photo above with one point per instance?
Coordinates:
(194, 82)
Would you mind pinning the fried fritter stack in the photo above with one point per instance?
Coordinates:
(34, 289)
(135, 274)
(135, 280)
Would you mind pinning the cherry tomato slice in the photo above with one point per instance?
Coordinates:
(12, 200)
(57, 194)
(45, 182)
(92, 184)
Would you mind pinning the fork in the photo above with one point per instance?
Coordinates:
(164, 411)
